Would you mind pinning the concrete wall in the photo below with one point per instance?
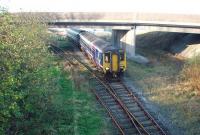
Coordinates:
(124, 39)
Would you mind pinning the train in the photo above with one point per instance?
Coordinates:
(111, 60)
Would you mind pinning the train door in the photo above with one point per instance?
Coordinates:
(96, 54)
(93, 53)
(114, 62)
(100, 59)
(106, 63)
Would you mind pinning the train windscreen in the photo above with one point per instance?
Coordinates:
(107, 57)
(121, 55)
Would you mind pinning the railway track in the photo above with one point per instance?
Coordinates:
(123, 107)
(125, 110)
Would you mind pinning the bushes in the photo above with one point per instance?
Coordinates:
(191, 73)
(36, 97)
(26, 84)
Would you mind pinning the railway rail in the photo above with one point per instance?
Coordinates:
(123, 107)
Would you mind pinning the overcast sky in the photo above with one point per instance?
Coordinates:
(158, 6)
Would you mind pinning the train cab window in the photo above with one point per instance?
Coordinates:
(121, 55)
(107, 57)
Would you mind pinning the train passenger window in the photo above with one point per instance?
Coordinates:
(96, 54)
(107, 57)
(100, 57)
(121, 55)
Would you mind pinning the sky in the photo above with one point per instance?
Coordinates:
(154, 6)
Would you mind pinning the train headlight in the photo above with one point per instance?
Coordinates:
(107, 68)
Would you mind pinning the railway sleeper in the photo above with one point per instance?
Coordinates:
(102, 93)
(115, 84)
(118, 88)
(119, 115)
(142, 119)
(101, 89)
(138, 114)
(119, 112)
(121, 89)
(106, 98)
(127, 125)
(133, 108)
(152, 130)
(124, 120)
(111, 103)
(114, 107)
(131, 131)
(147, 123)
(125, 96)
(121, 93)
(128, 101)
(131, 104)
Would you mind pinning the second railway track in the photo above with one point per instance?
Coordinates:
(123, 107)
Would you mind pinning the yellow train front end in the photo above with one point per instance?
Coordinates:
(114, 62)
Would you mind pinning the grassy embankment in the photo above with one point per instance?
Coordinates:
(87, 115)
(37, 96)
(172, 85)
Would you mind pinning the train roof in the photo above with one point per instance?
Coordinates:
(98, 42)
(75, 30)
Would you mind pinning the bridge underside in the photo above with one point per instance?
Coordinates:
(170, 29)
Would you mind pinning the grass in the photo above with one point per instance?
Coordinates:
(164, 82)
(191, 74)
(87, 118)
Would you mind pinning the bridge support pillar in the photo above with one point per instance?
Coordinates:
(125, 39)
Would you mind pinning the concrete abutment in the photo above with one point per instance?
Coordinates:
(126, 38)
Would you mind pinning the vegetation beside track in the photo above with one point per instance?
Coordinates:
(37, 96)
(88, 120)
(191, 75)
(172, 85)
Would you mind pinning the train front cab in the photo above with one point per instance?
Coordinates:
(114, 62)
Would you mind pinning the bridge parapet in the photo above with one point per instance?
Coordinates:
(115, 16)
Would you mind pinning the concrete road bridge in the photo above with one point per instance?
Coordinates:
(124, 25)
